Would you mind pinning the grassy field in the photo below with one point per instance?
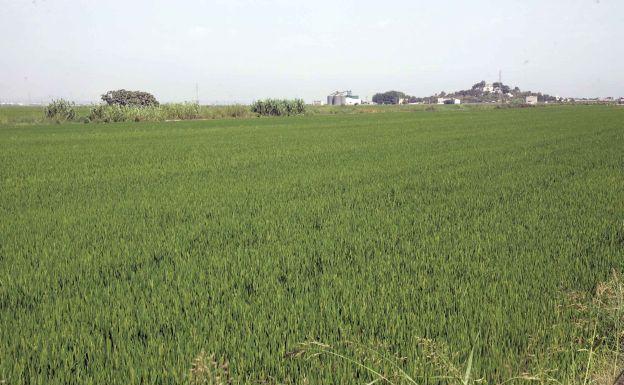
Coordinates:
(127, 249)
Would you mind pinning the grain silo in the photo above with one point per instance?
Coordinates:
(342, 98)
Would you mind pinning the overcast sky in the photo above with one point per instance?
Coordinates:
(238, 50)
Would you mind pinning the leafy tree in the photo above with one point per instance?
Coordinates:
(479, 86)
(130, 98)
(389, 97)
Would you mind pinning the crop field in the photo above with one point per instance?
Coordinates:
(127, 249)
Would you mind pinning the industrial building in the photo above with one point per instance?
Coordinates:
(343, 98)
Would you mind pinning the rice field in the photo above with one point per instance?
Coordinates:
(128, 249)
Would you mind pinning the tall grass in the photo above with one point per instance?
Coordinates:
(164, 112)
(60, 110)
(278, 107)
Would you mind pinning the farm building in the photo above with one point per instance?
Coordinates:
(448, 101)
(531, 100)
(343, 98)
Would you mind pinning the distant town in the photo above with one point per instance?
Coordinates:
(481, 92)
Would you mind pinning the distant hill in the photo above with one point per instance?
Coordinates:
(481, 92)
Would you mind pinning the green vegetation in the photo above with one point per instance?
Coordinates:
(115, 113)
(278, 107)
(192, 111)
(389, 97)
(128, 249)
(130, 98)
(60, 110)
(29, 114)
(602, 312)
(163, 112)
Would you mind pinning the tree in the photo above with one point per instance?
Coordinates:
(479, 86)
(389, 97)
(130, 98)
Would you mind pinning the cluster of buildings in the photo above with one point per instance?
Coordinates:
(343, 98)
(346, 98)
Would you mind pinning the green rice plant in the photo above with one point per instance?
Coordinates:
(126, 249)
(603, 364)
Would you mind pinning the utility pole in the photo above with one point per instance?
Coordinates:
(197, 93)
(500, 87)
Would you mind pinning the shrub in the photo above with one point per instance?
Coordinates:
(116, 113)
(278, 107)
(130, 98)
(60, 110)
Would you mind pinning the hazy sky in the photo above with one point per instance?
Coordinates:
(240, 50)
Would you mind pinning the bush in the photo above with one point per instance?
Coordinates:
(278, 107)
(181, 111)
(117, 113)
(60, 110)
(130, 98)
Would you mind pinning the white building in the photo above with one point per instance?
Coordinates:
(488, 87)
(352, 100)
(531, 100)
(448, 101)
